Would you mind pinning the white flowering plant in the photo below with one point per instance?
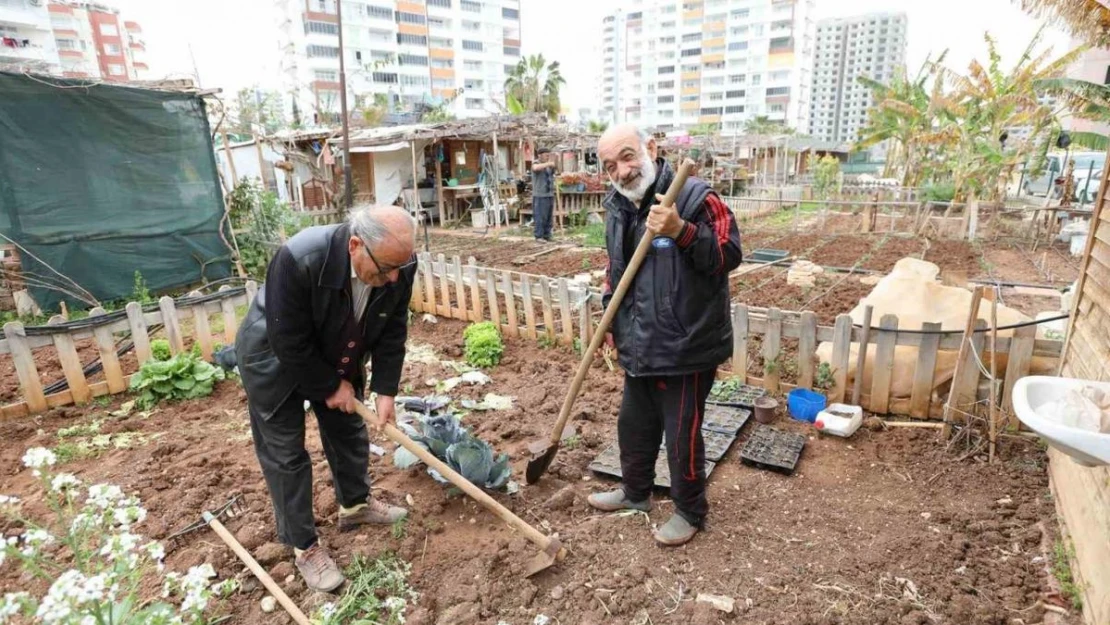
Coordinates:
(377, 591)
(95, 562)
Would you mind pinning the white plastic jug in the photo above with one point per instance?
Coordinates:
(839, 419)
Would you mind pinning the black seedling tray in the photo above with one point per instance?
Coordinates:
(772, 449)
(744, 396)
(767, 255)
(608, 463)
(724, 419)
(716, 444)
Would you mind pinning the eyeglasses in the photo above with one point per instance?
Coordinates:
(385, 269)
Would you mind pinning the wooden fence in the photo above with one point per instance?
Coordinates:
(531, 306)
(193, 311)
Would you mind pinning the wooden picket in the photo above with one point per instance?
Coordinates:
(21, 347)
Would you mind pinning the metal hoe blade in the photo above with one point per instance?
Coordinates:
(544, 559)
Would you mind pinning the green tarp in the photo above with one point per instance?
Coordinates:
(102, 181)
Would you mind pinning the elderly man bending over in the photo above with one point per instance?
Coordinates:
(335, 296)
(672, 328)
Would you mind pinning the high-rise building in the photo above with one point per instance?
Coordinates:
(403, 52)
(670, 64)
(26, 37)
(872, 45)
(93, 41)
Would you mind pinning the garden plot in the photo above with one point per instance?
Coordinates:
(883, 528)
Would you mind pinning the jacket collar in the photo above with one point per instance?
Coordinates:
(663, 176)
(336, 273)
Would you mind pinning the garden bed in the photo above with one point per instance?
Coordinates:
(883, 528)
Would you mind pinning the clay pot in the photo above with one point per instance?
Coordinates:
(765, 408)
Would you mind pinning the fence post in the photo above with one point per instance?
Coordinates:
(429, 283)
(25, 367)
(491, 298)
(171, 324)
(564, 312)
(842, 345)
(71, 363)
(1017, 367)
(510, 303)
(529, 306)
(106, 345)
(922, 393)
(475, 289)
(772, 349)
(231, 324)
(460, 288)
(548, 312)
(807, 346)
(882, 372)
(740, 342)
(444, 288)
(139, 334)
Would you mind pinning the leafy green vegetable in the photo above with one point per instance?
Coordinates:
(160, 349)
(483, 344)
(449, 441)
(184, 376)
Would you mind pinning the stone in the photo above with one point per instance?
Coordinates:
(270, 553)
(269, 604)
(557, 593)
(562, 499)
(718, 602)
(282, 570)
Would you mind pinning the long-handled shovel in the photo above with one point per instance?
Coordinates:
(551, 549)
(543, 451)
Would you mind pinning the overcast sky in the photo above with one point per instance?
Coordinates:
(233, 43)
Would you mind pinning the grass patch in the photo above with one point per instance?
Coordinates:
(377, 591)
(573, 442)
(397, 530)
(1062, 555)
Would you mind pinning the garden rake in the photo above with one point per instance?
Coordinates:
(544, 450)
(230, 509)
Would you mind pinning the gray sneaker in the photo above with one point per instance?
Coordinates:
(373, 513)
(615, 500)
(676, 531)
(319, 571)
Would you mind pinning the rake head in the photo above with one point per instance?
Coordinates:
(233, 508)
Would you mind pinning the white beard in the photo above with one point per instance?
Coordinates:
(647, 177)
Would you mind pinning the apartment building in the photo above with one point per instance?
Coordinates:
(871, 45)
(26, 37)
(671, 64)
(410, 52)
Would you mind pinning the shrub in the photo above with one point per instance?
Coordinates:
(940, 192)
(483, 344)
(160, 349)
(96, 566)
(185, 376)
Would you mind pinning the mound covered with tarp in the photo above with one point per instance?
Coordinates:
(912, 293)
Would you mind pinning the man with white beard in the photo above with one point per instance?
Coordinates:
(673, 327)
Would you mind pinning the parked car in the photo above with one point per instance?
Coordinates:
(1087, 164)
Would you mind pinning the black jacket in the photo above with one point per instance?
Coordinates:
(291, 338)
(675, 319)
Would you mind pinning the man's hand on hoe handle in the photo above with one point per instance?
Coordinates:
(345, 400)
(664, 220)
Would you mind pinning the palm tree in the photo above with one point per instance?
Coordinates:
(1085, 100)
(762, 125)
(1088, 20)
(597, 127)
(533, 87)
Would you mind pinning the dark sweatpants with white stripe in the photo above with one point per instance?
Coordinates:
(673, 405)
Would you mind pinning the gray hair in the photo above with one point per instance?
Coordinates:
(371, 223)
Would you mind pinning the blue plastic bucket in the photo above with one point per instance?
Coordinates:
(805, 404)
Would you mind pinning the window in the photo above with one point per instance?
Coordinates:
(666, 84)
(635, 16)
(511, 50)
(414, 81)
(665, 99)
(690, 98)
(67, 44)
(439, 22)
(472, 45)
(780, 75)
(711, 111)
(715, 81)
(410, 18)
(442, 83)
(756, 78)
(473, 104)
(737, 79)
(473, 7)
(416, 40)
(687, 38)
(109, 30)
(777, 108)
(694, 67)
(443, 63)
(117, 70)
(440, 3)
(740, 13)
(689, 84)
(471, 83)
(472, 66)
(782, 44)
(666, 25)
(325, 52)
(440, 42)
(384, 77)
(737, 45)
(739, 93)
(471, 25)
(715, 65)
(321, 28)
(775, 91)
(691, 52)
(716, 97)
(327, 75)
(667, 41)
(379, 55)
(412, 59)
(379, 12)
(669, 69)
(510, 14)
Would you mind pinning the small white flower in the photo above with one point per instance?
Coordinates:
(120, 545)
(156, 551)
(104, 496)
(12, 604)
(8, 500)
(64, 481)
(35, 538)
(38, 457)
(394, 604)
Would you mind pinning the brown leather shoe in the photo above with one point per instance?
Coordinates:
(319, 570)
(373, 513)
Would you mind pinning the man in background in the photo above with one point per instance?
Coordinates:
(543, 194)
(673, 327)
(335, 297)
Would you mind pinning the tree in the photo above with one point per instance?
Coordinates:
(1087, 20)
(1085, 100)
(597, 127)
(763, 125)
(255, 107)
(533, 86)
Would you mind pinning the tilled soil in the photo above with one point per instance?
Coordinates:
(884, 528)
